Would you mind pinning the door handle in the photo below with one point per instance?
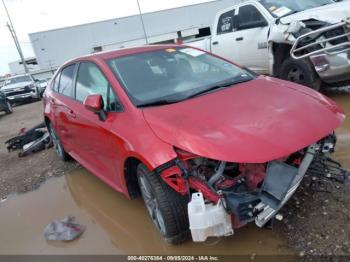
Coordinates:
(239, 38)
(72, 114)
(215, 43)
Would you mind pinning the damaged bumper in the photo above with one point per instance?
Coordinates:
(268, 212)
(235, 207)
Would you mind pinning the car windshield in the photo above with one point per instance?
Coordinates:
(174, 74)
(279, 8)
(19, 79)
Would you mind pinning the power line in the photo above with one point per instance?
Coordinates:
(15, 39)
(142, 22)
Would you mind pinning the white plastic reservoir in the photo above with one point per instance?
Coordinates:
(208, 220)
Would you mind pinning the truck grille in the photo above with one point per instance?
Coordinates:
(18, 91)
(336, 32)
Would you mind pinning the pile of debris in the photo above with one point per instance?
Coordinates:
(30, 141)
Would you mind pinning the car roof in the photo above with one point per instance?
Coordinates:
(106, 55)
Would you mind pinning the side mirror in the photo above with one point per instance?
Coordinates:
(94, 103)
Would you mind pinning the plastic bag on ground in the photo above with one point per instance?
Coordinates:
(63, 230)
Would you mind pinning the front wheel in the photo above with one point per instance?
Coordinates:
(8, 109)
(167, 208)
(301, 72)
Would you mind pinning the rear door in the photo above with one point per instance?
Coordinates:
(251, 37)
(223, 43)
(64, 106)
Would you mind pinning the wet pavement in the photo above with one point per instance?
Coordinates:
(116, 225)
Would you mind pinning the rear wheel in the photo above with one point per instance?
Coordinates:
(8, 109)
(167, 208)
(61, 153)
(301, 72)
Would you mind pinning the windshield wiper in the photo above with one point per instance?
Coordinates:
(290, 13)
(158, 103)
(213, 88)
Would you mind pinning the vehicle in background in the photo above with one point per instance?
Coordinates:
(5, 104)
(170, 122)
(307, 42)
(21, 88)
(42, 84)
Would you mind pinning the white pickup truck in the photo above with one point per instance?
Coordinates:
(307, 42)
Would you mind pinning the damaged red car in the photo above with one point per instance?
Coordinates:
(210, 146)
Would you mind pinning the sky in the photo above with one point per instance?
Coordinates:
(29, 16)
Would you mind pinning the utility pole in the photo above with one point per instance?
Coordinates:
(143, 24)
(15, 39)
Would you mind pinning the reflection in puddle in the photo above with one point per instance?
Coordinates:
(131, 231)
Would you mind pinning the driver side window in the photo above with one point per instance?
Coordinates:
(90, 80)
(250, 17)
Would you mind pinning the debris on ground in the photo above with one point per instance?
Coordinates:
(63, 230)
(317, 217)
(30, 141)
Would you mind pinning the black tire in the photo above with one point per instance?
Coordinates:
(164, 204)
(8, 109)
(57, 145)
(301, 72)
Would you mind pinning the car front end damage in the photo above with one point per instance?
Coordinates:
(226, 196)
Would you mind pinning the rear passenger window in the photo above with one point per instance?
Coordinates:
(66, 81)
(225, 24)
(90, 80)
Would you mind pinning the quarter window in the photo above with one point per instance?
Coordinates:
(66, 81)
(90, 80)
(55, 83)
(225, 24)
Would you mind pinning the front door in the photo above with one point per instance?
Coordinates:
(92, 136)
(250, 39)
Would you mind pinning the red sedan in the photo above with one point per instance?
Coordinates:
(209, 145)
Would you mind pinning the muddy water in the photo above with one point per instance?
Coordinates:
(116, 225)
(342, 153)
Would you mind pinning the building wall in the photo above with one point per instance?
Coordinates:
(54, 47)
(16, 67)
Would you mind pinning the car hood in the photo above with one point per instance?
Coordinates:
(253, 122)
(16, 85)
(331, 13)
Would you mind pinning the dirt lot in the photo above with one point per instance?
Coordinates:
(19, 175)
(316, 220)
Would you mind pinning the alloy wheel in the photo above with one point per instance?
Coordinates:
(152, 204)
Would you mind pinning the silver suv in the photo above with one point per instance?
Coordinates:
(21, 88)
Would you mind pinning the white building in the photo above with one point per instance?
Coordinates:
(16, 67)
(54, 47)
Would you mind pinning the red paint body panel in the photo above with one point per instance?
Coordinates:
(254, 122)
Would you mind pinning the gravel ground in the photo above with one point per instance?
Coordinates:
(19, 175)
(317, 219)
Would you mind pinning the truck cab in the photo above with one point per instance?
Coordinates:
(307, 42)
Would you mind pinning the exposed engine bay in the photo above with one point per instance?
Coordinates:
(226, 196)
